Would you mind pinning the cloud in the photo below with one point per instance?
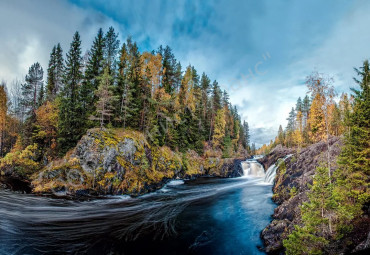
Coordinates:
(260, 51)
(31, 28)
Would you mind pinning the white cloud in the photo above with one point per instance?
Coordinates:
(31, 28)
(220, 38)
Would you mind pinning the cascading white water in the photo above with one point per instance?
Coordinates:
(271, 171)
(252, 168)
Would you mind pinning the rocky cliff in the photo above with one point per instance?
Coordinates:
(290, 187)
(122, 162)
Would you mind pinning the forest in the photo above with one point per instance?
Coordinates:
(339, 195)
(114, 86)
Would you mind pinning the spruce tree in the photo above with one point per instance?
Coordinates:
(55, 73)
(31, 88)
(70, 119)
(313, 237)
(31, 91)
(299, 105)
(106, 99)
(169, 69)
(247, 135)
(94, 70)
(111, 48)
(354, 163)
(215, 105)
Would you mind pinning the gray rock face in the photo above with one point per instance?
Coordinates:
(119, 162)
(278, 152)
(299, 172)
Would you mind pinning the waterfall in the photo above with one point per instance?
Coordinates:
(252, 168)
(271, 171)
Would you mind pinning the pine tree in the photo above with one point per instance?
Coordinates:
(124, 90)
(313, 237)
(205, 84)
(31, 88)
(299, 105)
(106, 99)
(169, 69)
(134, 80)
(291, 120)
(215, 105)
(94, 69)
(306, 108)
(111, 48)
(55, 73)
(50, 87)
(354, 162)
(41, 96)
(247, 135)
(70, 120)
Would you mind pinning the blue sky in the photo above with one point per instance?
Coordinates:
(259, 51)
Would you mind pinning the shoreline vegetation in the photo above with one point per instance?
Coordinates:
(322, 191)
(114, 91)
(120, 121)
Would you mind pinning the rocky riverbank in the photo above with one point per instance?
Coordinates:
(290, 191)
(122, 162)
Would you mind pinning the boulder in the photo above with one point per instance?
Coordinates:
(122, 162)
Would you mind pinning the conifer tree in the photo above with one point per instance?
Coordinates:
(247, 135)
(205, 84)
(106, 99)
(41, 96)
(219, 131)
(124, 90)
(312, 238)
(299, 105)
(169, 69)
(31, 88)
(70, 120)
(354, 162)
(94, 69)
(111, 48)
(55, 73)
(134, 80)
(215, 105)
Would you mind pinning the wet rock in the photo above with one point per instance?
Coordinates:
(15, 184)
(274, 234)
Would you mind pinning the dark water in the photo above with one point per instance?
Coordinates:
(206, 216)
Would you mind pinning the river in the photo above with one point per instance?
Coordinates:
(203, 216)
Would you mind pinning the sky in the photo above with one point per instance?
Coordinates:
(260, 51)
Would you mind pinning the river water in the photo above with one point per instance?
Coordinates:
(203, 216)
